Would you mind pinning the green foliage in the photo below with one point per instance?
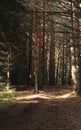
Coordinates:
(1, 77)
(6, 98)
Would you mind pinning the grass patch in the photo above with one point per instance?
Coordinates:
(6, 98)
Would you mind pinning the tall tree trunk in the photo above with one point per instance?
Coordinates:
(8, 67)
(35, 38)
(78, 46)
(8, 72)
(43, 52)
(73, 56)
(58, 66)
(52, 57)
(74, 70)
(63, 66)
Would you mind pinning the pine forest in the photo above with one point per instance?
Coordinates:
(40, 64)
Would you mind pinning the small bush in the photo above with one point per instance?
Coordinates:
(6, 98)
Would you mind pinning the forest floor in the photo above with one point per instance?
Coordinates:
(50, 109)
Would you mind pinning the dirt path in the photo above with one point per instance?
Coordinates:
(48, 110)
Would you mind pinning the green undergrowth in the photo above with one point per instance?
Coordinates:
(6, 98)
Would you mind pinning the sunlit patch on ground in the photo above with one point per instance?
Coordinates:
(32, 97)
(67, 95)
